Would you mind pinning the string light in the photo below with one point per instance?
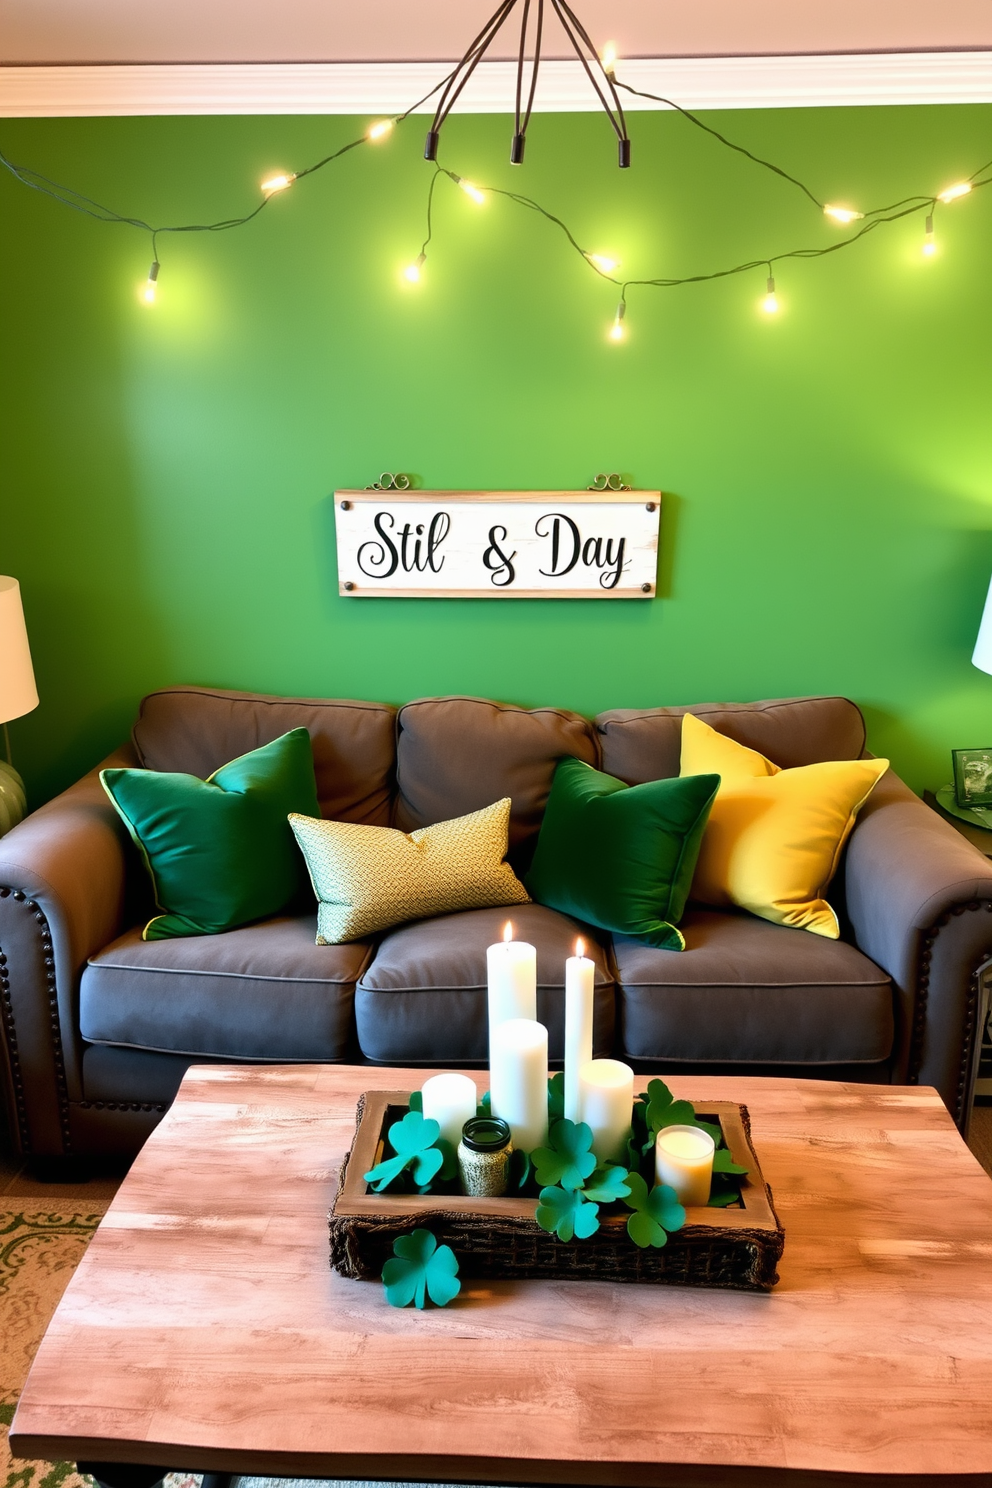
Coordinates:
(770, 303)
(277, 183)
(603, 264)
(150, 287)
(929, 241)
(618, 330)
(608, 57)
(412, 271)
(953, 192)
(473, 191)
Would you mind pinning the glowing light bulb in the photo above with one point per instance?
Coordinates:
(412, 271)
(604, 261)
(473, 191)
(277, 183)
(929, 241)
(618, 330)
(150, 287)
(609, 58)
(770, 303)
(380, 130)
(843, 215)
(953, 192)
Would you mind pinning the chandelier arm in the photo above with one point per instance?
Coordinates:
(537, 63)
(521, 57)
(564, 15)
(574, 29)
(470, 61)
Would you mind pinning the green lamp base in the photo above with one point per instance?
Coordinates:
(13, 801)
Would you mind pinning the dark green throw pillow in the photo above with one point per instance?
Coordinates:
(220, 851)
(618, 856)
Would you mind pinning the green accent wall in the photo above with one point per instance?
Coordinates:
(166, 472)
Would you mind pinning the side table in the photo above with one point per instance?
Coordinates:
(981, 838)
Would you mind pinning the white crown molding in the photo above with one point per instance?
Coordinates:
(389, 87)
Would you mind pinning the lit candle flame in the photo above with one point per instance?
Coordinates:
(580, 947)
(507, 932)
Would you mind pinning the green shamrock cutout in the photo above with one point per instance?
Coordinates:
(607, 1184)
(566, 1214)
(520, 1168)
(568, 1160)
(665, 1110)
(556, 1098)
(420, 1268)
(657, 1212)
(412, 1140)
(724, 1163)
(417, 1101)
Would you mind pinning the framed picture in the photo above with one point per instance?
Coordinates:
(973, 776)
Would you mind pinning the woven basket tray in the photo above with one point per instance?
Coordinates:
(736, 1248)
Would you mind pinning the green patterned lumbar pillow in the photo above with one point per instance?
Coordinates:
(219, 851)
(621, 856)
(368, 878)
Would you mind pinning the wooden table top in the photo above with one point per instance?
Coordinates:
(204, 1330)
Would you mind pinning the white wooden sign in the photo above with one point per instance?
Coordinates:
(497, 544)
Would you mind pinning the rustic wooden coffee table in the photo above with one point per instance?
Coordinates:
(204, 1331)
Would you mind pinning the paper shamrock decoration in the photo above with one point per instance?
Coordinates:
(420, 1268)
(565, 1213)
(607, 1184)
(657, 1211)
(413, 1140)
(568, 1160)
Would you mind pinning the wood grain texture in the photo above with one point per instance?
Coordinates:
(203, 1327)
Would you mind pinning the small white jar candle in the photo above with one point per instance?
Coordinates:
(518, 1081)
(683, 1158)
(512, 979)
(580, 993)
(450, 1100)
(606, 1100)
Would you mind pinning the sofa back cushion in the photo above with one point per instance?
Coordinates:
(640, 744)
(457, 754)
(198, 729)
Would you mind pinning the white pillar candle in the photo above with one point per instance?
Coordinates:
(683, 1158)
(450, 1100)
(518, 1080)
(580, 987)
(606, 1101)
(512, 968)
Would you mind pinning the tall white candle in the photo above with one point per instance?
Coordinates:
(512, 968)
(518, 1080)
(580, 987)
(606, 1101)
(450, 1100)
(683, 1158)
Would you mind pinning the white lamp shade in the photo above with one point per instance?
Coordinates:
(18, 693)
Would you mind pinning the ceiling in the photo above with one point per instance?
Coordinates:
(67, 32)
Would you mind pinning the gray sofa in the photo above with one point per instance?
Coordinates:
(98, 1026)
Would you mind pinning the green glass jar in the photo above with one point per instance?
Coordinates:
(484, 1157)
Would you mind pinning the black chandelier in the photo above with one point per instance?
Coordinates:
(600, 76)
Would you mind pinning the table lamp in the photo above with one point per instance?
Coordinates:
(18, 695)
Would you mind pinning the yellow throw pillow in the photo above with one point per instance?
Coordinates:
(774, 837)
(368, 878)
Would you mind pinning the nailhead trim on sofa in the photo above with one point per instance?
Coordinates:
(61, 1085)
(920, 1008)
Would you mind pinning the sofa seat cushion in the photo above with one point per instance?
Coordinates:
(423, 1000)
(263, 992)
(745, 991)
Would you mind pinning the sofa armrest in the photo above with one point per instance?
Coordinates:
(63, 875)
(919, 899)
